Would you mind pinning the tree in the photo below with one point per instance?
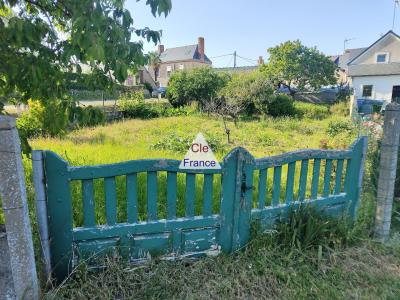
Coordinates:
(199, 84)
(295, 66)
(43, 42)
(154, 62)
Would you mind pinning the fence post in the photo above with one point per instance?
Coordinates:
(387, 171)
(15, 207)
(41, 208)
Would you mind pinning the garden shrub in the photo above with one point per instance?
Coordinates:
(48, 118)
(280, 105)
(250, 92)
(87, 116)
(199, 84)
(133, 105)
(339, 127)
(311, 110)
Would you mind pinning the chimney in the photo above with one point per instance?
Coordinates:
(160, 49)
(200, 44)
(260, 60)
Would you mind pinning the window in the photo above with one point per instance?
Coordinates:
(169, 70)
(381, 58)
(181, 66)
(367, 91)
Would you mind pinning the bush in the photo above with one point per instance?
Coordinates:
(133, 105)
(200, 84)
(280, 105)
(311, 110)
(48, 118)
(86, 116)
(339, 127)
(248, 91)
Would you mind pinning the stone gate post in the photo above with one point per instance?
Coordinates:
(15, 207)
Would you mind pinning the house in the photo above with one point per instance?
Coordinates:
(141, 77)
(180, 58)
(374, 72)
(342, 60)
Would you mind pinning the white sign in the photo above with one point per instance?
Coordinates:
(199, 156)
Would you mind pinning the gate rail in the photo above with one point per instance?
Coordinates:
(244, 197)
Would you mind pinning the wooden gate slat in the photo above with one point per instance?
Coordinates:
(338, 177)
(131, 198)
(111, 200)
(262, 188)
(276, 191)
(207, 194)
(327, 178)
(88, 203)
(152, 196)
(290, 182)
(303, 180)
(171, 194)
(315, 178)
(190, 194)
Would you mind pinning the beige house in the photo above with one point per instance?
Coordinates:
(375, 72)
(180, 58)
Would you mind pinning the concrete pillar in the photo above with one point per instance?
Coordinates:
(15, 207)
(387, 171)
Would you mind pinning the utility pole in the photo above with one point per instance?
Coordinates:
(234, 59)
(396, 4)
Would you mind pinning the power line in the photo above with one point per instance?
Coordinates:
(218, 56)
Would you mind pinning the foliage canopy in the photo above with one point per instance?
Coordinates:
(295, 66)
(43, 42)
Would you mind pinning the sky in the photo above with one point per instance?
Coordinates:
(251, 27)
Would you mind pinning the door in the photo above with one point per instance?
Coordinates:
(396, 93)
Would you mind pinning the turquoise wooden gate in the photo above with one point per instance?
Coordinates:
(251, 189)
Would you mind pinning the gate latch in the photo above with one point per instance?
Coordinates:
(245, 187)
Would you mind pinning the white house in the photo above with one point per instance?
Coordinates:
(374, 73)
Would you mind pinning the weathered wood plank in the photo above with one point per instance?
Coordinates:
(262, 188)
(133, 166)
(276, 191)
(279, 160)
(171, 194)
(315, 178)
(131, 198)
(88, 203)
(290, 182)
(327, 178)
(338, 176)
(111, 200)
(141, 228)
(190, 195)
(303, 180)
(207, 194)
(152, 196)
